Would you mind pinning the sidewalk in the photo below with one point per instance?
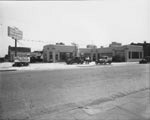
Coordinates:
(135, 106)
(7, 66)
(35, 66)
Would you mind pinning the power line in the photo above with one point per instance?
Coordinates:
(40, 41)
(20, 43)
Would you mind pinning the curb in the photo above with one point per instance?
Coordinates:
(8, 70)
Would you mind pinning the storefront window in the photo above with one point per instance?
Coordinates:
(50, 55)
(140, 54)
(56, 56)
(135, 55)
(62, 56)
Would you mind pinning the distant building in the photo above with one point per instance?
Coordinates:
(125, 53)
(21, 51)
(91, 46)
(115, 44)
(146, 48)
(58, 53)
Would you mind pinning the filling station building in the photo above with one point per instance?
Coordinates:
(119, 53)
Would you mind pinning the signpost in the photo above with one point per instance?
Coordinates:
(15, 34)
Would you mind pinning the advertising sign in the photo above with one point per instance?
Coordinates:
(11, 32)
(15, 33)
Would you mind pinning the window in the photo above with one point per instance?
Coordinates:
(135, 55)
(129, 54)
(56, 56)
(140, 54)
(50, 55)
(62, 56)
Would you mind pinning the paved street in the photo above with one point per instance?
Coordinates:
(32, 94)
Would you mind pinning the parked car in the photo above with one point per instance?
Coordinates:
(20, 64)
(104, 60)
(145, 60)
(77, 60)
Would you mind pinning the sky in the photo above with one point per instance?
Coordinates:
(81, 22)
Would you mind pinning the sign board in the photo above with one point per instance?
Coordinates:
(15, 33)
(18, 34)
(11, 32)
(22, 59)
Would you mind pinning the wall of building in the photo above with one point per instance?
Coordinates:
(134, 53)
(128, 53)
(56, 53)
(123, 52)
(89, 52)
(105, 52)
(146, 48)
(115, 44)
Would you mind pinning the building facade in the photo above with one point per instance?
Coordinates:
(125, 53)
(115, 44)
(58, 53)
(146, 48)
(21, 52)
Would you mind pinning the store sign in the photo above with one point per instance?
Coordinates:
(15, 33)
(11, 32)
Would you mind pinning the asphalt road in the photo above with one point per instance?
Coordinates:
(29, 93)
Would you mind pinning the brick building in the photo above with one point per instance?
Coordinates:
(21, 51)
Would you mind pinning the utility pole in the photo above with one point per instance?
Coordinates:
(15, 47)
(15, 34)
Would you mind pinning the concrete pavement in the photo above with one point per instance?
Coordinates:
(135, 106)
(71, 94)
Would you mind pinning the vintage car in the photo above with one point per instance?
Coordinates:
(104, 60)
(145, 60)
(73, 60)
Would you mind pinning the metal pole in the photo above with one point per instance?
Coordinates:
(15, 47)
